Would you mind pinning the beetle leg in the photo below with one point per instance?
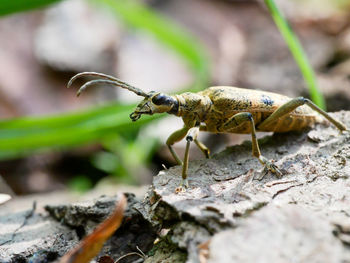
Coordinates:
(203, 148)
(176, 137)
(191, 136)
(292, 105)
(240, 118)
(200, 145)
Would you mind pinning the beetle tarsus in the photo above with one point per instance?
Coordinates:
(269, 166)
(182, 187)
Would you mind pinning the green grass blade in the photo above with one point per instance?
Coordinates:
(22, 136)
(14, 6)
(61, 120)
(297, 52)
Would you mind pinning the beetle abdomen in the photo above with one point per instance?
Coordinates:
(291, 123)
(228, 101)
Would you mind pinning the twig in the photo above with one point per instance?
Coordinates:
(141, 255)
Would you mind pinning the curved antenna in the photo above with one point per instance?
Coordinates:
(106, 79)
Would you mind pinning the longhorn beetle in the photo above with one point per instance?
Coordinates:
(222, 110)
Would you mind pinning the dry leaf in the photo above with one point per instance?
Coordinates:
(89, 247)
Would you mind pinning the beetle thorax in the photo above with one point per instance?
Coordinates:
(193, 106)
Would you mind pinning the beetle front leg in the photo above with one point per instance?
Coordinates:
(240, 118)
(191, 136)
(176, 137)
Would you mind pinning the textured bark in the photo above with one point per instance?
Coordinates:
(233, 217)
(27, 234)
(33, 236)
(227, 215)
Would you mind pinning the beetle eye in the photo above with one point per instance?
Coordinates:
(160, 99)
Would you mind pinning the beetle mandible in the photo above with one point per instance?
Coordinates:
(222, 109)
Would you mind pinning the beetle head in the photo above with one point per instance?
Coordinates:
(155, 102)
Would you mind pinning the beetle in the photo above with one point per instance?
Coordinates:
(222, 109)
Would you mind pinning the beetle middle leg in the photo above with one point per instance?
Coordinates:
(176, 137)
(203, 148)
(243, 117)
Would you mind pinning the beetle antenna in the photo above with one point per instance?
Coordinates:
(106, 79)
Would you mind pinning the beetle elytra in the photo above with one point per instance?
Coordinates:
(222, 109)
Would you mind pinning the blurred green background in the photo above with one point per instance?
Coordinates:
(50, 140)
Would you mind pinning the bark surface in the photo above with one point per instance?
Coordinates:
(226, 215)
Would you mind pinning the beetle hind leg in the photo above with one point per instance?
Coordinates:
(243, 117)
(269, 166)
(292, 105)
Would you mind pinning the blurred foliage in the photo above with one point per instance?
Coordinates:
(14, 6)
(21, 137)
(80, 183)
(131, 152)
(108, 124)
(298, 53)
